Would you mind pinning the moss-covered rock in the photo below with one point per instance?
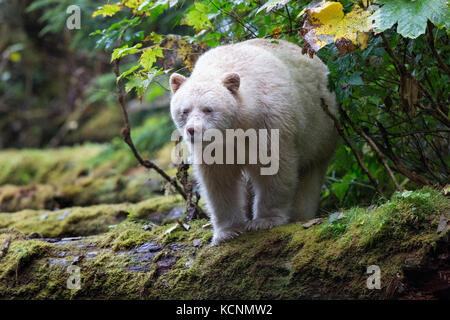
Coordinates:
(83, 221)
(324, 260)
(74, 176)
(33, 166)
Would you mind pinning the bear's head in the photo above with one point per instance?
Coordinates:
(199, 105)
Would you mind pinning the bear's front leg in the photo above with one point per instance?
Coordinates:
(223, 190)
(274, 198)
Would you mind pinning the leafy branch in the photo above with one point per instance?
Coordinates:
(192, 209)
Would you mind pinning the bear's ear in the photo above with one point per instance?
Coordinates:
(176, 80)
(231, 81)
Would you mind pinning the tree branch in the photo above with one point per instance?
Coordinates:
(126, 134)
(381, 157)
(399, 66)
(290, 19)
(358, 157)
(399, 165)
(441, 62)
(235, 17)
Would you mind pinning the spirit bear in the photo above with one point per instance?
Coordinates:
(259, 84)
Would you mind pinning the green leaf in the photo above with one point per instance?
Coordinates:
(124, 51)
(153, 74)
(149, 57)
(137, 82)
(140, 82)
(128, 72)
(197, 17)
(411, 16)
(156, 38)
(443, 19)
(108, 10)
(340, 189)
(355, 79)
(144, 5)
(134, 4)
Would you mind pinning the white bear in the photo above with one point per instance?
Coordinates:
(259, 84)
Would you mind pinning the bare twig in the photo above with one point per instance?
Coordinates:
(358, 157)
(182, 225)
(424, 132)
(380, 155)
(289, 17)
(282, 32)
(403, 72)
(399, 165)
(397, 63)
(183, 177)
(126, 134)
(441, 62)
(235, 17)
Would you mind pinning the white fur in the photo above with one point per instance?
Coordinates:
(278, 88)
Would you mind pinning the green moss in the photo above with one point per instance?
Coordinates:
(103, 276)
(20, 255)
(287, 262)
(20, 167)
(127, 237)
(291, 262)
(156, 205)
(74, 176)
(83, 221)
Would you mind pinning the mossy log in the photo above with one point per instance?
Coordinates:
(406, 237)
(76, 176)
(85, 221)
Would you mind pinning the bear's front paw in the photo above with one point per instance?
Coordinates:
(223, 235)
(265, 223)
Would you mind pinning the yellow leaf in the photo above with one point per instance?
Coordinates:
(446, 190)
(176, 48)
(325, 6)
(14, 57)
(276, 31)
(108, 10)
(362, 39)
(327, 12)
(326, 23)
(133, 4)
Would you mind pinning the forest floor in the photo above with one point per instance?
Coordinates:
(70, 209)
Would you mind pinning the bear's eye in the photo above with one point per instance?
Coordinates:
(207, 110)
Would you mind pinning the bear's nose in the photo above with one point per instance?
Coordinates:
(191, 131)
